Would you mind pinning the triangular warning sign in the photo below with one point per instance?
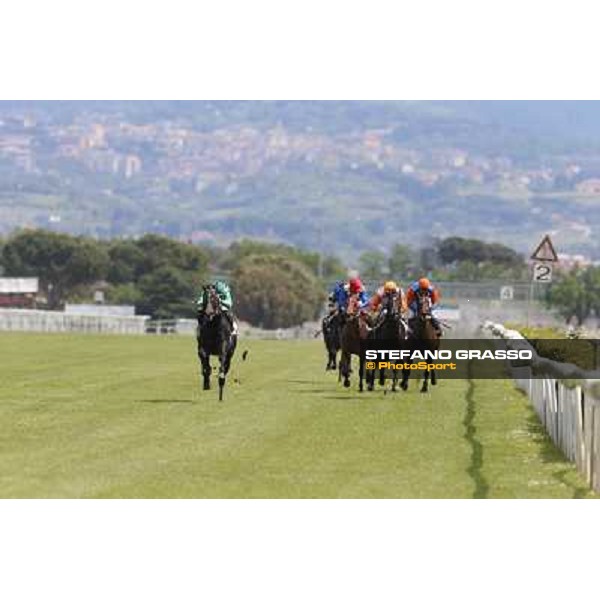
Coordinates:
(545, 251)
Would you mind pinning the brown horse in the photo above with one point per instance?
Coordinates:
(389, 327)
(354, 329)
(423, 336)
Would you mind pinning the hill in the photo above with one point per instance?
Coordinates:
(338, 176)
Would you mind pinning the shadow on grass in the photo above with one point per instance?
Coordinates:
(319, 390)
(550, 454)
(165, 401)
(348, 396)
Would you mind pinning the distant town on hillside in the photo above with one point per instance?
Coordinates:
(340, 177)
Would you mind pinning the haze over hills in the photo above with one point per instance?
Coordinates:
(338, 176)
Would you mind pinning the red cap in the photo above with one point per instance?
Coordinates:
(355, 285)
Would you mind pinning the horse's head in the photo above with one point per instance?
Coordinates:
(390, 303)
(424, 306)
(353, 306)
(212, 302)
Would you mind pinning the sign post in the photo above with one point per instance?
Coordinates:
(543, 256)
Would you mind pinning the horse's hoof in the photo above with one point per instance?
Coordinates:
(404, 386)
(346, 384)
(434, 383)
(423, 390)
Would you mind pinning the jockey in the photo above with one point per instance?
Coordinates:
(343, 291)
(223, 291)
(390, 288)
(356, 287)
(416, 291)
(338, 297)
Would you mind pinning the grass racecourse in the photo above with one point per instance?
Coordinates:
(124, 417)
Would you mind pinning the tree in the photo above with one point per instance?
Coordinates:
(61, 262)
(160, 251)
(331, 266)
(166, 293)
(401, 261)
(372, 263)
(126, 262)
(458, 249)
(273, 291)
(576, 294)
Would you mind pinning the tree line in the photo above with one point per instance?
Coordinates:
(274, 285)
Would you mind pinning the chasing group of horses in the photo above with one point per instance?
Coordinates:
(345, 330)
(342, 331)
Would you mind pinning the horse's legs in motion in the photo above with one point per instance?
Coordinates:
(225, 355)
(205, 360)
(405, 376)
(394, 380)
(345, 367)
(361, 372)
(331, 361)
(425, 385)
(370, 378)
(229, 354)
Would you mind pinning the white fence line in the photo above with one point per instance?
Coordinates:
(46, 321)
(569, 413)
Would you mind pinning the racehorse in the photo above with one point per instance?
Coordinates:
(215, 337)
(391, 328)
(331, 327)
(352, 332)
(422, 336)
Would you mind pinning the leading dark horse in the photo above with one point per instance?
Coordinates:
(423, 336)
(215, 337)
(389, 327)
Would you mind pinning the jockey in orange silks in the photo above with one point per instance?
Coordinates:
(389, 288)
(418, 290)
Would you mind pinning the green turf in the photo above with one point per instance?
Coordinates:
(103, 416)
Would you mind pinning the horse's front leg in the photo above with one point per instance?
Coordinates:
(361, 372)
(425, 385)
(206, 370)
(223, 367)
(370, 378)
(345, 368)
(405, 376)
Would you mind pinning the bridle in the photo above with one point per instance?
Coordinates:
(212, 307)
(424, 306)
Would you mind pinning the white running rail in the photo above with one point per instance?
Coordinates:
(568, 410)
